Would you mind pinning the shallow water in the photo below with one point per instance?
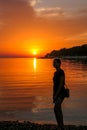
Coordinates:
(26, 90)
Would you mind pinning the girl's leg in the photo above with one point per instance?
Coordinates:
(58, 113)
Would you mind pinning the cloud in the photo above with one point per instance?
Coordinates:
(34, 2)
(60, 13)
(16, 10)
(50, 12)
(79, 37)
(77, 12)
(16, 16)
(82, 11)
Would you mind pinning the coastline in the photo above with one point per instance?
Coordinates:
(26, 125)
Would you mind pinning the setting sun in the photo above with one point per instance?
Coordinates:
(34, 52)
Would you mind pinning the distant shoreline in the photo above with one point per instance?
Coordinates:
(26, 125)
(66, 57)
(70, 52)
(61, 57)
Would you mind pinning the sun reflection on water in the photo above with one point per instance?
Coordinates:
(35, 63)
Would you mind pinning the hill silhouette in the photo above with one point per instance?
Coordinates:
(74, 51)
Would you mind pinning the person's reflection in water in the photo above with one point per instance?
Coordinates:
(58, 92)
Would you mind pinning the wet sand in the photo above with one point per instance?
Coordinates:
(17, 125)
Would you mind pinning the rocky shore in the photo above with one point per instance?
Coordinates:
(16, 125)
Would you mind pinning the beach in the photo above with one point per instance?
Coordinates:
(26, 125)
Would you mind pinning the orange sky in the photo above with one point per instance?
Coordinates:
(27, 26)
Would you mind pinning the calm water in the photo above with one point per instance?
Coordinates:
(26, 90)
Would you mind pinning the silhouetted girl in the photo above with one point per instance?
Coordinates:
(58, 92)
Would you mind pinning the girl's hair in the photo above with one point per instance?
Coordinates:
(57, 60)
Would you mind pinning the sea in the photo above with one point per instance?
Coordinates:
(26, 90)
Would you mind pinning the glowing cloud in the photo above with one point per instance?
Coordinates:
(34, 2)
(50, 12)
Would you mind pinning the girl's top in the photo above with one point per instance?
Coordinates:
(56, 81)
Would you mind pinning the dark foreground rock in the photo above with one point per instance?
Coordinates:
(16, 125)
